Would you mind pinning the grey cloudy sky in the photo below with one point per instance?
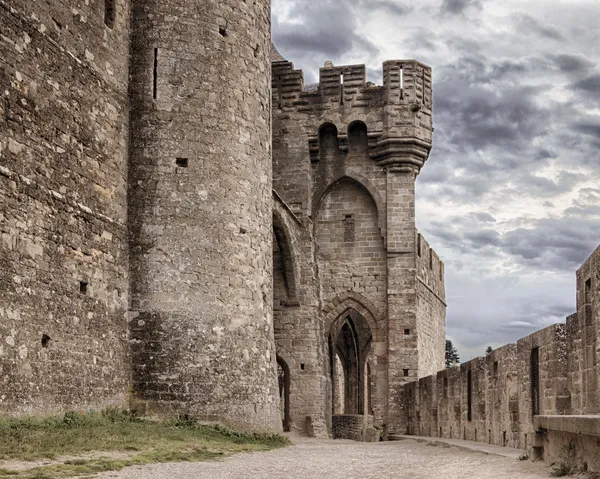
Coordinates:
(510, 196)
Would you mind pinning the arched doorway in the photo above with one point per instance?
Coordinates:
(283, 376)
(350, 341)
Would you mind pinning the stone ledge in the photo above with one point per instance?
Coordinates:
(588, 425)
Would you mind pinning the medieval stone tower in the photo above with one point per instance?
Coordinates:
(352, 275)
(157, 255)
(200, 210)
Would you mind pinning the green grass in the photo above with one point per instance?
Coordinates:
(142, 441)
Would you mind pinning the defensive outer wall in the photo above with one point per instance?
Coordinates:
(136, 215)
(540, 394)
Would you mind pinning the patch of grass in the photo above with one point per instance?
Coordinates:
(138, 440)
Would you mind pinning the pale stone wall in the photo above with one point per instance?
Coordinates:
(63, 169)
(431, 309)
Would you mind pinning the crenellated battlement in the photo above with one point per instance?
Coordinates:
(398, 113)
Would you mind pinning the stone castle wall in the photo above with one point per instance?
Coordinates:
(200, 196)
(153, 256)
(539, 394)
(64, 128)
(431, 309)
(163, 209)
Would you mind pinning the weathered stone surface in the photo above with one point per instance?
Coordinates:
(148, 259)
(533, 395)
(200, 212)
(345, 159)
(64, 126)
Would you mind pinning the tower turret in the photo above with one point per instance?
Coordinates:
(200, 211)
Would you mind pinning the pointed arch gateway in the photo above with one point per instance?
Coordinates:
(350, 340)
(364, 373)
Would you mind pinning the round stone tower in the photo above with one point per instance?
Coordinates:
(200, 212)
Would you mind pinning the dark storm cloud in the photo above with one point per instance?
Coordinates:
(390, 6)
(588, 88)
(331, 32)
(590, 129)
(528, 25)
(576, 64)
(455, 7)
(548, 244)
(324, 30)
(554, 243)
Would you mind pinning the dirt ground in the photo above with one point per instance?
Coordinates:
(313, 458)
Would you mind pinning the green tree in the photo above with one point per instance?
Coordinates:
(488, 350)
(452, 356)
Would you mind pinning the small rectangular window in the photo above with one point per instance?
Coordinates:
(181, 162)
(109, 13)
(348, 228)
(445, 388)
(83, 287)
(430, 259)
(419, 245)
(495, 369)
(406, 373)
(406, 332)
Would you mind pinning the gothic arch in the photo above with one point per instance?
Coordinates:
(282, 235)
(349, 301)
(362, 182)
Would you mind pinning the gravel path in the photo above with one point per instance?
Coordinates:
(313, 458)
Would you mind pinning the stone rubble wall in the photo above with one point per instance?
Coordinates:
(200, 206)
(64, 128)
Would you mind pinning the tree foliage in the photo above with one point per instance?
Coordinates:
(452, 356)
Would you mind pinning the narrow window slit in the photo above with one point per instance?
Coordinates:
(83, 287)
(469, 396)
(155, 75)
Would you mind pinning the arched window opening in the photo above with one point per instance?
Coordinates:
(110, 13)
(357, 137)
(328, 141)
